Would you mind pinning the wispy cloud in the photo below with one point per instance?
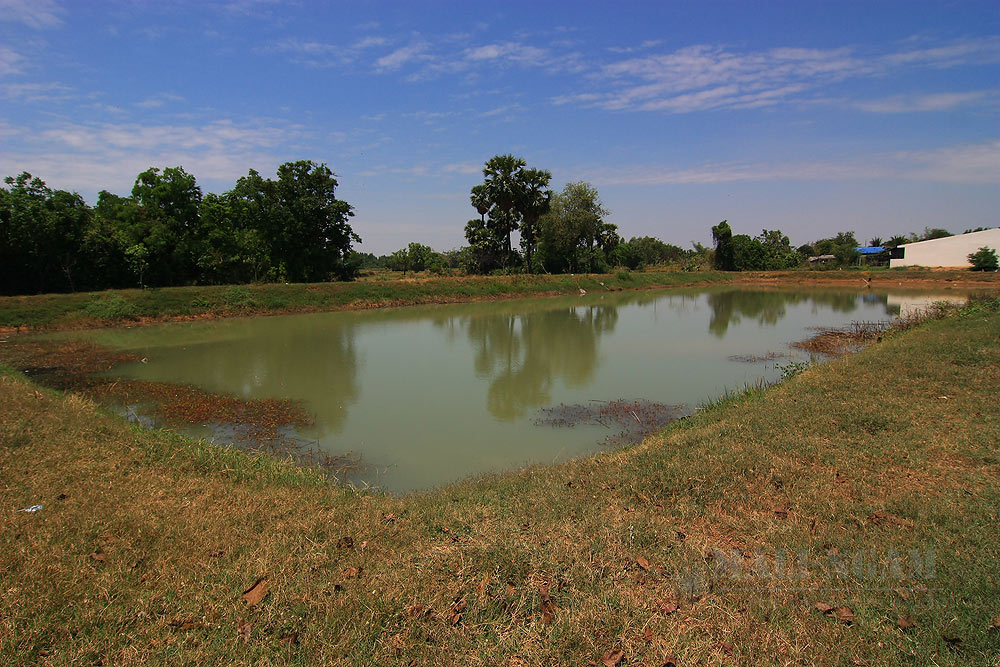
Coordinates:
(32, 13)
(10, 61)
(401, 56)
(708, 77)
(37, 92)
(968, 164)
(157, 101)
(929, 102)
(90, 157)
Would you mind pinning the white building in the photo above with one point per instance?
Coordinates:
(951, 251)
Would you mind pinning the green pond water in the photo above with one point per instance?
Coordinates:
(427, 395)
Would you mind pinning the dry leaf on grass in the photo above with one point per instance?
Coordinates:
(612, 658)
(548, 606)
(647, 635)
(253, 595)
(824, 608)
(906, 622)
(642, 562)
(98, 555)
(668, 607)
(351, 572)
(243, 631)
(844, 614)
(345, 542)
(996, 624)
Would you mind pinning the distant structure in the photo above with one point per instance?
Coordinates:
(951, 251)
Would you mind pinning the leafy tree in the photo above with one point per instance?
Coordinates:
(573, 235)
(984, 259)
(934, 233)
(875, 242)
(843, 246)
(896, 241)
(399, 261)
(300, 219)
(722, 236)
(41, 234)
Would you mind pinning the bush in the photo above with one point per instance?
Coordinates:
(984, 259)
(112, 307)
(624, 275)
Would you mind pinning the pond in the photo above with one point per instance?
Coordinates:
(427, 395)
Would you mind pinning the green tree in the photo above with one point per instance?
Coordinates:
(42, 233)
(722, 236)
(984, 259)
(573, 235)
(303, 224)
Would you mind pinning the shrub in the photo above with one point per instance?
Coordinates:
(112, 307)
(624, 275)
(984, 259)
(200, 302)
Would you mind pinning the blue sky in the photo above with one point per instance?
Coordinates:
(811, 117)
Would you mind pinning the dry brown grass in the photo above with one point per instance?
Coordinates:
(147, 541)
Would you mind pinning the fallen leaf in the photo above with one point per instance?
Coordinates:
(511, 590)
(289, 638)
(253, 595)
(351, 572)
(243, 631)
(548, 606)
(996, 624)
(345, 542)
(824, 608)
(218, 553)
(455, 619)
(906, 622)
(390, 517)
(669, 662)
(612, 658)
(781, 512)
(903, 593)
(98, 555)
(642, 562)
(647, 635)
(844, 614)
(952, 640)
(668, 608)
(459, 606)
(725, 647)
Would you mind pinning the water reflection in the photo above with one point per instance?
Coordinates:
(768, 308)
(523, 354)
(260, 358)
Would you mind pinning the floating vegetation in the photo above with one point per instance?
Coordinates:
(836, 342)
(754, 358)
(636, 419)
(256, 425)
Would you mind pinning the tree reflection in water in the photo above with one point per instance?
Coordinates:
(524, 353)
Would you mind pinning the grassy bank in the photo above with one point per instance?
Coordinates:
(55, 311)
(67, 311)
(870, 485)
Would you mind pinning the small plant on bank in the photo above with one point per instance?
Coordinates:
(984, 259)
(793, 368)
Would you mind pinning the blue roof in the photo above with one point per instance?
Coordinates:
(871, 250)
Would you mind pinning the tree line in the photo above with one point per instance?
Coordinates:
(166, 232)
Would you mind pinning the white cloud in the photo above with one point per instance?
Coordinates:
(36, 92)
(157, 101)
(971, 164)
(32, 13)
(929, 102)
(89, 157)
(704, 77)
(10, 61)
(401, 56)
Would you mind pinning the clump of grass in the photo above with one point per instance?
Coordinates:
(111, 307)
(238, 297)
